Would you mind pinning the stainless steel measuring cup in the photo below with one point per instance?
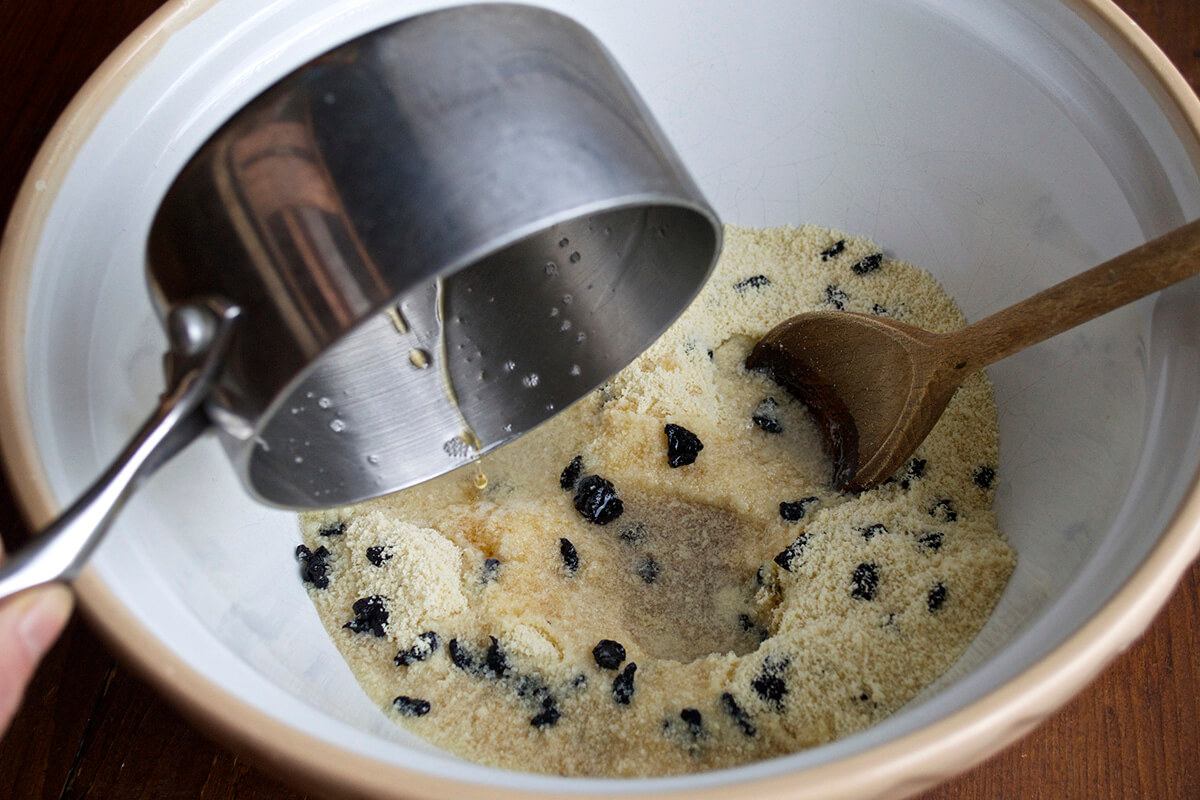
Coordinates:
(402, 255)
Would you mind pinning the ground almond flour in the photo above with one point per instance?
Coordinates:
(661, 579)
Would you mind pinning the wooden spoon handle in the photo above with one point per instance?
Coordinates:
(1128, 277)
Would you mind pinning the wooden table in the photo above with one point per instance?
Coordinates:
(90, 728)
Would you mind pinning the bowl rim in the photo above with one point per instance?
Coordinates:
(898, 768)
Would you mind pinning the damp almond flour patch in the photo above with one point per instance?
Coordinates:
(661, 579)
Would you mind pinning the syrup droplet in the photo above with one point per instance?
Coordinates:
(419, 358)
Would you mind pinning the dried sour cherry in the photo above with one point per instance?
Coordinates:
(787, 557)
(943, 510)
(867, 264)
(608, 654)
(634, 533)
(794, 511)
(984, 477)
(931, 540)
(596, 500)
(769, 684)
(864, 582)
(378, 554)
(936, 598)
(314, 566)
(571, 472)
(425, 645)
(694, 721)
(913, 470)
(683, 446)
(766, 416)
(370, 615)
(570, 556)
(648, 569)
(622, 685)
(548, 716)
(491, 570)
(871, 531)
(730, 706)
(753, 282)
(834, 249)
(836, 297)
(336, 529)
(460, 657)
(495, 662)
(411, 706)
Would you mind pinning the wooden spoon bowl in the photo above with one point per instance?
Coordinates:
(876, 387)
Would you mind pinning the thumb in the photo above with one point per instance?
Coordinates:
(29, 624)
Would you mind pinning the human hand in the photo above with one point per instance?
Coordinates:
(29, 624)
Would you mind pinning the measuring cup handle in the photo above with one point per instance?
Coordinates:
(200, 336)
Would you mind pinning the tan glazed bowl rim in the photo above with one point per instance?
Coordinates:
(897, 768)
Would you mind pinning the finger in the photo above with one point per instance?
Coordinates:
(29, 624)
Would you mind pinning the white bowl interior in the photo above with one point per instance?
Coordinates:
(1004, 147)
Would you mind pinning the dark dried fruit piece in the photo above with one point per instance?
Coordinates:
(787, 558)
(596, 500)
(634, 533)
(865, 582)
(378, 554)
(648, 569)
(867, 264)
(411, 706)
(932, 540)
(608, 654)
(694, 720)
(834, 249)
(795, 511)
(769, 684)
(730, 706)
(547, 716)
(682, 446)
(766, 416)
(984, 477)
(425, 646)
(370, 615)
(936, 598)
(836, 297)
(622, 685)
(314, 566)
(570, 474)
(569, 556)
(491, 570)
(495, 662)
(459, 656)
(753, 282)
(527, 686)
(943, 510)
(872, 531)
(336, 529)
(914, 470)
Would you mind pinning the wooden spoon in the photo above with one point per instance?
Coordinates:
(877, 386)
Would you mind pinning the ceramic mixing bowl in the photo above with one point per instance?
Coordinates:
(1002, 145)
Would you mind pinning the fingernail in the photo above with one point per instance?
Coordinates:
(44, 619)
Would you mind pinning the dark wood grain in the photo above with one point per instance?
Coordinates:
(90, 729)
